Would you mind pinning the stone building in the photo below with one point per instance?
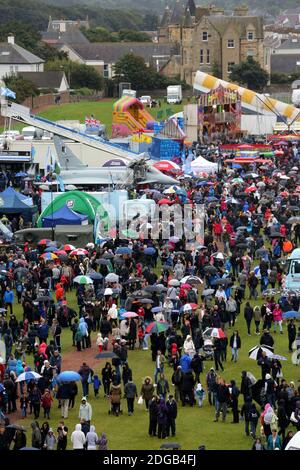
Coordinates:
(211, 39)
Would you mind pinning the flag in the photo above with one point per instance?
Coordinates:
(48, 160)
(61, 183)
(32, 153)
(88, 121)
(7, 93)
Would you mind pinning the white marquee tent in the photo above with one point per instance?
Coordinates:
(201, 165)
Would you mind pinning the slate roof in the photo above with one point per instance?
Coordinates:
(110, 52)
(14, 54)
(285, 63)
(49, 79)
(222, 23)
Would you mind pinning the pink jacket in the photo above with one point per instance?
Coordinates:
(277, 314)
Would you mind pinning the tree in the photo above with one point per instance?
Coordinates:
(22, 87)
(133, 69)
(99, 35)
(81, 75)
(133, 36)
(250, 74)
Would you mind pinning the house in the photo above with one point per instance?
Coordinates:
(15, 59)
(63, 26)
(102, 56)
(286, 58)
(48, 80)
(211, 39)
(58, 38)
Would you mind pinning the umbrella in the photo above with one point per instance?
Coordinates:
(129, 315)
(214, 333)
(17, 427)
(108, 255)
(68, 247)
(123, 250)
(29, 448)
(79, 252)
(68, 376)
(149, 251)
(175, 240)
(241, 228)
(207, 292)
(186, 286)
(278, 357)
(60, 253)
(257, 351)
(146, 301)
(44, 241)
(118, 261)
(43, 298)
(193, 280)
(218, 255)
(31, 375)
(83, 280)
(251, 189)
(51, 249)
(276, 235)
(90, 246)
(261, 252)
(188, 307)
(95, 276)
(291, 314)
(156, 309)
(174, 283)
(293, 220)
(112, 277)
(210, 269)
(108, 291)
(170, 190)
(48, 256)
(156, 288)
(133, 280)
(2, 388)
(130, 233)
(104, 262)
(223, 281)
(157, 327)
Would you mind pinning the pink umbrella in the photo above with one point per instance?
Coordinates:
(129, 315)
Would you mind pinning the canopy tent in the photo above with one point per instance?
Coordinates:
(201, 165)
(12, 202)
(78, 201)
(64, 216)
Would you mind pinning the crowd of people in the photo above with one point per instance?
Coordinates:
(185, 307)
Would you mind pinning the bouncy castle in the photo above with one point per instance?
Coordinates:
(129, 116)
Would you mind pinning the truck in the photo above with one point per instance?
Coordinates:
(131, 93)
(174, 94)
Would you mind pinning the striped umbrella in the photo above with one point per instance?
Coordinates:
(31, 375)
(157, 327)
(48, 256)
(79, 252)
(68, 247)
(83, 280)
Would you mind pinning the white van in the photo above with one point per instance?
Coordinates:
(28, 132)
(292, 280)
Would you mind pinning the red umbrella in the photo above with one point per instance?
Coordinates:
(166, 165)
(251, 189)
(165, 201)
(186, 286)
(245, 147)
(68, 247)
(45, 241)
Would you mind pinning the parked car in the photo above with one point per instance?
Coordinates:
(146, 100)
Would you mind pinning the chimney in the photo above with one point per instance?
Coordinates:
(241, 10)
(217, 11)
(11, 38)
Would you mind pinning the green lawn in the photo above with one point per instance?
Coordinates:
(194, 426)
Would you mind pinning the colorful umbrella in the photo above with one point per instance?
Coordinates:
(68, 247)
(48, 256)
(124, 250)
(157, 327)
(188, 307)
(79, 252)
(26, 376)
(174, 283)
(186, 286)
(44, 241)
(83, 280)
(214, 333)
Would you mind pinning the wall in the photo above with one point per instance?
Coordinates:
(5, 69)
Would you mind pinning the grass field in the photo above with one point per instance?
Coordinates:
(102, 110)
(194, 426)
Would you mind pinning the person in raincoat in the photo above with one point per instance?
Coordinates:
(189, 347)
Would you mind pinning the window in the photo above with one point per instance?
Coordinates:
(250, 53)
(250, 35)
(16, 68)
(208, 56)
(230, 43)
(204, 36)
(11, 68)
(105, 71)
(229, 66)
(201, 56)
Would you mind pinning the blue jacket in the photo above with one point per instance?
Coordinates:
(277, 443)
(43, 331)
(83, 327)
(185, 363)
(9, 297)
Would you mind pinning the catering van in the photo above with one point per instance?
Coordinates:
(292, 280)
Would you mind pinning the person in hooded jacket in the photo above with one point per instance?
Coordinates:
(78, 438)
(250, 414)
(115, 398)
(197, 366)
(283, 420)
(172, 415)
(177, 378)
(36, 436)
(153, 411)
(83, 328)
(162, 419)
(188, 384)
(92, 439)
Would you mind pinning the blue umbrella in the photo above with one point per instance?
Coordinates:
(51, 249)
(95, 276)
(156, 309)
(291, 314)
(68, 376)
(123, 250)
(149, 251)
(202, 183)
(21, 174)
(2, 388)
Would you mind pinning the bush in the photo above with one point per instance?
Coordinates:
(84, 91)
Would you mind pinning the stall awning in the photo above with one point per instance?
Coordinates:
(15, 158)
